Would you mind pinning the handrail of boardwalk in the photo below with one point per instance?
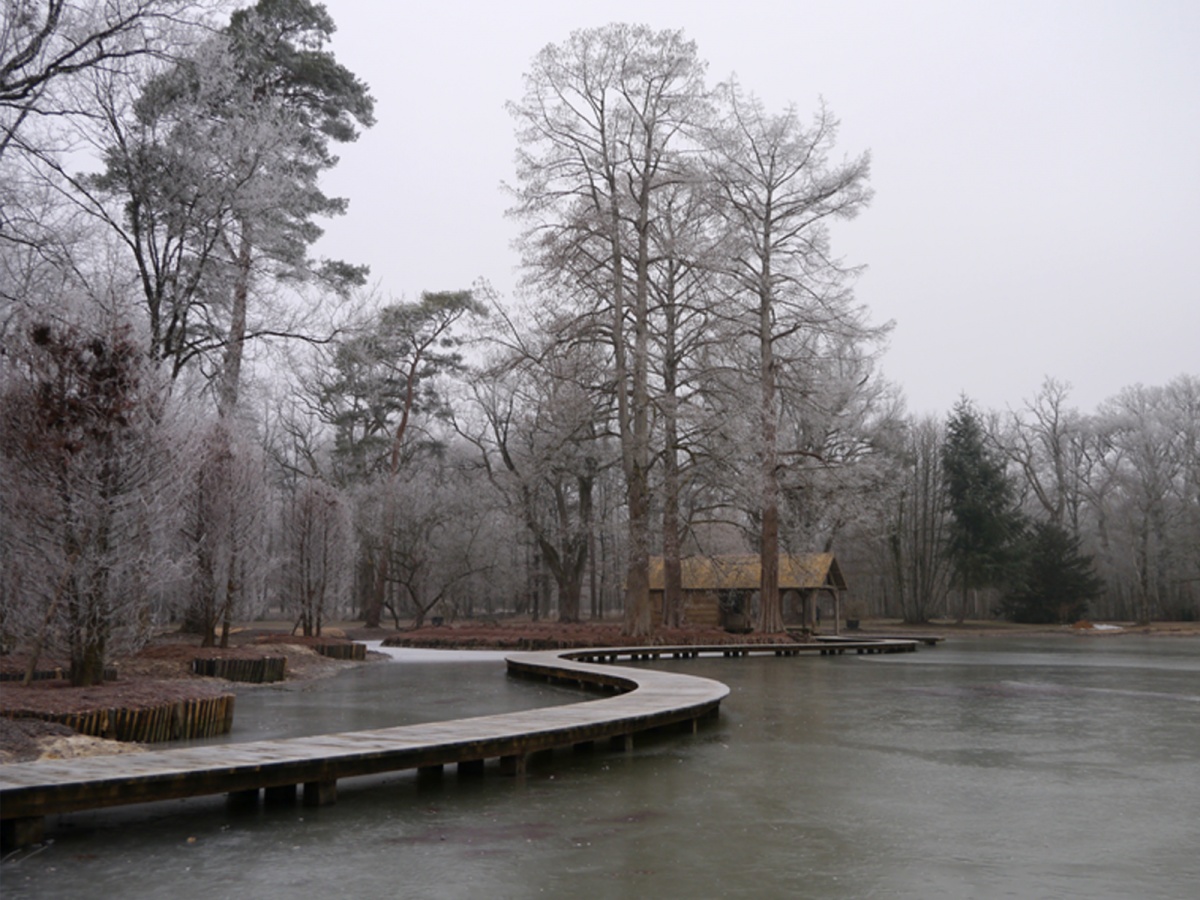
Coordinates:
(646, 699)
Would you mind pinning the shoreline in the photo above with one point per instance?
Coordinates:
(163, 667)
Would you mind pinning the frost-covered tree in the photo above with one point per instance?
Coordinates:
(777, 190)
(48, 46)
(598, 127)
(916, 523)
(538, 430)
(317, 559)
(1150, 495)
(211, 179)
(378, 395)
(86, 490)
(225, 529)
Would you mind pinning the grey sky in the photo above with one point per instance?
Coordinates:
(1036, 166)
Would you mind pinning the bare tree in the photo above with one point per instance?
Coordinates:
(226, 530)
(916, 532)
(435, 546)
(596, 128)
(45, 45)
(1047, 440)
(775, 187)
(317, 565)
(538, 429)
(686, 240)
(1151, 449)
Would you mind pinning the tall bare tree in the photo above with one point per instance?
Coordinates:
(598, 123)
(1150, 459)
(778, 191)
(916, 531)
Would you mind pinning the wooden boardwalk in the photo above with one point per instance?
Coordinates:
(644, 699)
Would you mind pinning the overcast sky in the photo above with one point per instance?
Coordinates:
(1036, 166)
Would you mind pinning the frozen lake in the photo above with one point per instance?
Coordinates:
(1042, 767)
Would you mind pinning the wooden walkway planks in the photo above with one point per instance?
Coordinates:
(649, 699)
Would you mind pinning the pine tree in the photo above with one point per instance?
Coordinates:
(984, 521)
(1054, 580)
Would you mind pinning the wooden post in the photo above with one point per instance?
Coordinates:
(621, 743)
(19, 833)
(320, 793)
(513, 765)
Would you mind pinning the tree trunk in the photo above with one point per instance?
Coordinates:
(373, 615)
(770, 608)
(87, 663)
(672, 607)
(639, 621)
(231, 370)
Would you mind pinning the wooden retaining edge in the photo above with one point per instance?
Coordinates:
(646, 699)
(58, 673)
(199, 717)
(352, 650)
(264, 670)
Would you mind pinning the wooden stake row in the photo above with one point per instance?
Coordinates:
(203, 717)
(255, 671)
(342, 651)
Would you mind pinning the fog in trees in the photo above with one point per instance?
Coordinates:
(204, 423)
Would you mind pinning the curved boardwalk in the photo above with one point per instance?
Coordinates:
(645, 699)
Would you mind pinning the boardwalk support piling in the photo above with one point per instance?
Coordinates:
(320, 793)
(513, 765)
(23, 832)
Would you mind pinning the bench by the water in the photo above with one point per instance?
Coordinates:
(646, 699)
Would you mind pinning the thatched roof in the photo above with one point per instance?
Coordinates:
(744, 573)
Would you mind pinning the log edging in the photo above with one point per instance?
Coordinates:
(264, 670)
(198, 717)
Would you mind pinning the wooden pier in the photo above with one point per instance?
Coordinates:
(644, 699)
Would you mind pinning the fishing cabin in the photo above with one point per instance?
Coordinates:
(723, 591)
